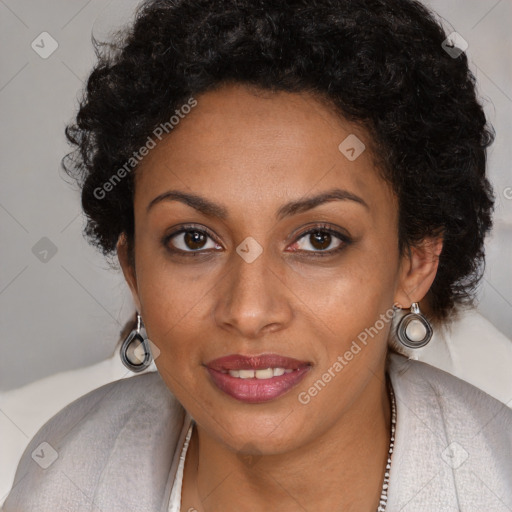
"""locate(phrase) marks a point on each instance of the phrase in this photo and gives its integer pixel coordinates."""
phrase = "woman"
(277, 180)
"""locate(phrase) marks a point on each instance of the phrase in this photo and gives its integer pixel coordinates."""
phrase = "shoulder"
(113, 446)
(453, 442)
(425, 382)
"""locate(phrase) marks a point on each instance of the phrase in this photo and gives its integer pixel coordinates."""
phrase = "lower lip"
(257, 390)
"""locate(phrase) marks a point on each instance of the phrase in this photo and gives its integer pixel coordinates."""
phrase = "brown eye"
(194, 239)
(190, 240)
(321, 241)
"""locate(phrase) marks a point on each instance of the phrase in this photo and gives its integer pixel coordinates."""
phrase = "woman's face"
(246, 278)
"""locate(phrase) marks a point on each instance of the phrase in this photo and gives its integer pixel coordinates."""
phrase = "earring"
(414, 330)
(135, 352)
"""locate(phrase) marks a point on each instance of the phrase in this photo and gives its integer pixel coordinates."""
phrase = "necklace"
(384, 492)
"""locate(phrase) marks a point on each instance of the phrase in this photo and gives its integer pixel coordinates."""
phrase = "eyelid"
(196, 227)
(323, 227)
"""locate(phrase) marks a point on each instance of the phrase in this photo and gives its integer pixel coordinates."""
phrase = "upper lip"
(260, 362)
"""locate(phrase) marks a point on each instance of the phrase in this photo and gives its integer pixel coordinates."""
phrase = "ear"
(128, 268)
(418, 268)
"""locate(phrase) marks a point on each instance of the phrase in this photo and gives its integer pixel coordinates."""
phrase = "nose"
(252, 298)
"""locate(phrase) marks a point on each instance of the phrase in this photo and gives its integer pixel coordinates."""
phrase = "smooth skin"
(251, 152)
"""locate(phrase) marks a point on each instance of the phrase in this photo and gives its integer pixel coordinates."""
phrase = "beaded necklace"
(384, 492)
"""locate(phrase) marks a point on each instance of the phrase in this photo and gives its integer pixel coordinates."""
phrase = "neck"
(343, 469)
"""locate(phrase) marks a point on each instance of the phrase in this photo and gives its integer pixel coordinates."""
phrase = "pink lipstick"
(255, 379)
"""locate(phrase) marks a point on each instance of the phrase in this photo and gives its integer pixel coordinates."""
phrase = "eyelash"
(323, 228)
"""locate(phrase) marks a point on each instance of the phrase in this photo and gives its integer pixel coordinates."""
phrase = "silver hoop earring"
(135, 352)
(414, 330)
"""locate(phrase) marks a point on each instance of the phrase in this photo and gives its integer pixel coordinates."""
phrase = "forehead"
(250, 147)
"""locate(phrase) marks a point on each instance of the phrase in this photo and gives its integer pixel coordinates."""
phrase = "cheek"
(360, 286)
(173, 311)
(169, 290)
(349, 315)
(349, 308)
(173, 306)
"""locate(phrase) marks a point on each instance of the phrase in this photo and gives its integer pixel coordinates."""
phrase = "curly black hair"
(379, 63)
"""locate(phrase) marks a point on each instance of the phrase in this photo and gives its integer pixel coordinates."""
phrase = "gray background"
(65, 310)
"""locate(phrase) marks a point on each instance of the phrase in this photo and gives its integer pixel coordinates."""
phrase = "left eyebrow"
(308, 203)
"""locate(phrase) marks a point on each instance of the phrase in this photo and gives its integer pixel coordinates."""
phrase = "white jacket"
(117, 448)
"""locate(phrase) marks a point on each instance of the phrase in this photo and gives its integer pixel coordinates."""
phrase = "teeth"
(267, 373)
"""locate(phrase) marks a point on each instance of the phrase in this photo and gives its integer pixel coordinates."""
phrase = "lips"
(254, 388)
(261, 362)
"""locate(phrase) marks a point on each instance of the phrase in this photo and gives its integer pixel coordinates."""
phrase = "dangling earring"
(414, 330)
(135, 352)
